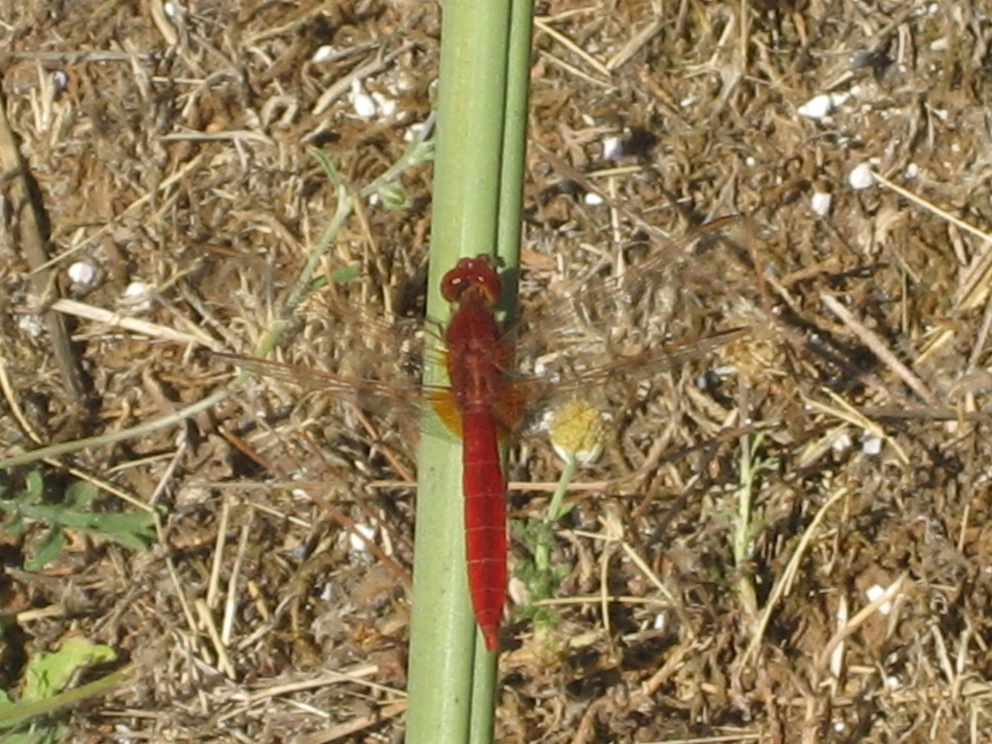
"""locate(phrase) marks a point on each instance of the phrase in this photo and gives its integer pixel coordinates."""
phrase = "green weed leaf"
(77, 510)
(45, 678)
(45, 549)
(49, 673)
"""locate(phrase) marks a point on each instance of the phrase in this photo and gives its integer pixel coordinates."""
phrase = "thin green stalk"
(514, 140)
(477, 194)
(22, 712)
(575, 428)
(745, 529)
(542, 550)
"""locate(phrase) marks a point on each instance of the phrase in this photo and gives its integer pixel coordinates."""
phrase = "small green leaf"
(393, 196)
(75, 511)
(81, 495)
(345, 274)
(134, 530)
(45, 549)
(423, 152)
(48, 674)
(14, 525)
(329, 168)
(34, 486)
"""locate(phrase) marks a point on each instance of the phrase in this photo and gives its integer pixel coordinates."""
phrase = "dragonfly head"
(480, 273)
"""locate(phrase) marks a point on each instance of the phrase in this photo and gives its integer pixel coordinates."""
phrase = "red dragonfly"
(483, 408)
(484, 403)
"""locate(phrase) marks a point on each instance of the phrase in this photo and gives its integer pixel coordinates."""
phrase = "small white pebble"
(136, 296)
(750, 161)
(593, 200)
(30, 325)
(135, 289)
(355, 543)
(170, 10)
(59, 81)
(414, 131)
(861, 177)
(871, 445)
(323, 53)
(612, 148)
(82, 273)
(912, 170)
(874, 592)
(361, 101)
(820, 106)
(820, 202)
(842, 442)
(816, 107)
(385, 105)
(893, 682)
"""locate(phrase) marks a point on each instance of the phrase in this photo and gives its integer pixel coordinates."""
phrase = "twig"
(28, 220)
(116, 320)
(880, 350)
(542, 25)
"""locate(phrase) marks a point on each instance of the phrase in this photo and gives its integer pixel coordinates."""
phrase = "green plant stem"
(514, 148)
(542, 550)
(743, 528)
(22, 712)
(477, 194)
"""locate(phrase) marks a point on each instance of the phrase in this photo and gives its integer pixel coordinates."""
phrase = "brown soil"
(172, 153)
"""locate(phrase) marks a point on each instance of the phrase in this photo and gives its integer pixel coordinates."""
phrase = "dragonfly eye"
(472, 272)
